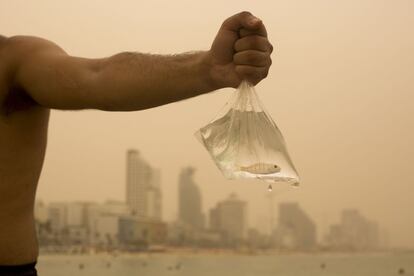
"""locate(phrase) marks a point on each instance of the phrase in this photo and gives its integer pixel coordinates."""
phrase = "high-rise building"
(153, 196)
(137, 177)
(354, 232)
(189, 200)
(295, 230)
(143, 192)
(229, 218)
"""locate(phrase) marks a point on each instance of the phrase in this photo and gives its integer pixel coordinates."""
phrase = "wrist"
(209, 72)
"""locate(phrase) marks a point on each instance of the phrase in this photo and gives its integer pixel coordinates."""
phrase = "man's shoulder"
(12, 49)
(20, 57)
(18, 48)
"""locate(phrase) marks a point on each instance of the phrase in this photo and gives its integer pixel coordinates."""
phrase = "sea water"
(380, 264)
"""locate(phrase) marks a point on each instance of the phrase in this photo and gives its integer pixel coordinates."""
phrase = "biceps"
(56, 80)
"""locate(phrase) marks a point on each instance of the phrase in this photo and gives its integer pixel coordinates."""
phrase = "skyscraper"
(354, 232)
(229, 218)
(189, 209)
(153, 196)
(143, 192)
(295, 228)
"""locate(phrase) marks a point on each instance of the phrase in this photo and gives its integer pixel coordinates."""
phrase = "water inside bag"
(244, 141)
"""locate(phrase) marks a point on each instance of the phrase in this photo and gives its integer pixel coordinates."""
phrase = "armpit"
(17, 100)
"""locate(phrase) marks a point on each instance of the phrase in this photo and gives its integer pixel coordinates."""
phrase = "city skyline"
(228, 217)
(111, 225)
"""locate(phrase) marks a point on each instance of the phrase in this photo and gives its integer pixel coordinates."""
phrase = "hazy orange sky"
(340, 89)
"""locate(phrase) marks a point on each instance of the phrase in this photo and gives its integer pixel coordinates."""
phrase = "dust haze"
(340, 89)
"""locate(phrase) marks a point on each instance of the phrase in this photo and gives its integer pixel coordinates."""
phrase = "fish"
(261, 168)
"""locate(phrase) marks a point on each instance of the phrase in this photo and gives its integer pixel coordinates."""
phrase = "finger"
(252, 74)
(242, 20)
(253, 42)
(252, 58)
(259, 30)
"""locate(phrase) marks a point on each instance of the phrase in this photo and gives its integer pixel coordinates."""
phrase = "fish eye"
(275, 166)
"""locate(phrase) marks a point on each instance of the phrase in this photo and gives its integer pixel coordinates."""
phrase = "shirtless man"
(36, 75)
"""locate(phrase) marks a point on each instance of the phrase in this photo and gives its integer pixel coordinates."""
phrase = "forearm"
(134, 81)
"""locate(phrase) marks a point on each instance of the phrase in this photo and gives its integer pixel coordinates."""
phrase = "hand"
(240, 51)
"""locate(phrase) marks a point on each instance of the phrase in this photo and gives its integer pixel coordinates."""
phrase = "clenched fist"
(240, 51)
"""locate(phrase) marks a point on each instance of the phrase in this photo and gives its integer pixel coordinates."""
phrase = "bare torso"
(23, 136)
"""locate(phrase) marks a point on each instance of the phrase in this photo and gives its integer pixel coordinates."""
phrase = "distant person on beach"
(37, 75)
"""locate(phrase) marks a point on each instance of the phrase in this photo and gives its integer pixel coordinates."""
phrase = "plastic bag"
(244, 141)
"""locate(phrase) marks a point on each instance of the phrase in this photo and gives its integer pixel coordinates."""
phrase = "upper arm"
(50, 76)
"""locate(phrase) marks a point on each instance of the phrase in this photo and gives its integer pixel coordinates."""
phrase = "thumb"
(241, 20)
